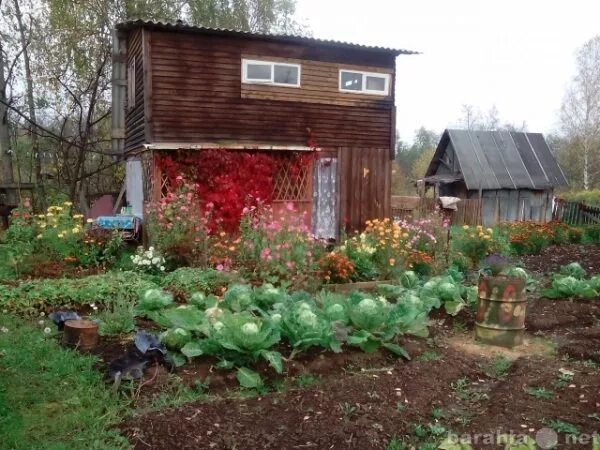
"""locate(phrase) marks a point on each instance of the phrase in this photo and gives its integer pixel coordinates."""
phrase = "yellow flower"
(60, 235)
(42, 225)
(75, 230)
(39, 236)
(465, 227)
(368, 223)
(77, 216)
(404, 235)
(67, 204)
(479, 227)
(392, 261)
(386, 219)
(489, 230)
(41, 216)
(90, 221)
(232, 248)
(382, 242)
(49, 214)
(487, 236)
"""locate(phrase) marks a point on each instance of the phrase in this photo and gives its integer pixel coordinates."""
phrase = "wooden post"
(497, 210)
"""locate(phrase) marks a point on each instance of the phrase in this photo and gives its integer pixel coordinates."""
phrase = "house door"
(325, 194)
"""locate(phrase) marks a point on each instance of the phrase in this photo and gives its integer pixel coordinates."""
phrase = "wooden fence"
(468, 211)
(575, 213)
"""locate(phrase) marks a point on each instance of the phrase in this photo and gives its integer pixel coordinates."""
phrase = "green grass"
(539, 393)
(428, 356)
(563, 427)
(52, 398)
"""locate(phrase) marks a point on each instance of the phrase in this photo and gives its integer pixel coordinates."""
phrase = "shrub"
(591, 234)
(475, 243)
(102, 289)
(278, 249)
(336, 268)
(178, 227)
(527, 237)
(185, 281)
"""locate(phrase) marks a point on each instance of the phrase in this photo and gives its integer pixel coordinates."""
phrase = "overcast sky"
(516, 55)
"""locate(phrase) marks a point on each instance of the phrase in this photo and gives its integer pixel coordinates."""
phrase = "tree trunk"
(586, 165)
(35, 147)
(6, 167)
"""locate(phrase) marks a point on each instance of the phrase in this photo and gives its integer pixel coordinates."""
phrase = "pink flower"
(289, 206)
(220, 267)
(290, 265)
(179, 178)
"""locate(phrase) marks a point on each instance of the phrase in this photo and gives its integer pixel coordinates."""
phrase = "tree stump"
(80, 334)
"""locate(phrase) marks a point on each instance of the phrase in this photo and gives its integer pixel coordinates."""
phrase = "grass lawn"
(51, 398)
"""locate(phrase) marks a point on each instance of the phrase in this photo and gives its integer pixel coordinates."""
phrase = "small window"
(266, 72)
(131, 85)
(364, 82)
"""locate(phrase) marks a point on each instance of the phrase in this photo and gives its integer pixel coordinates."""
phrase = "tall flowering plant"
(178, 226)
(278, 248)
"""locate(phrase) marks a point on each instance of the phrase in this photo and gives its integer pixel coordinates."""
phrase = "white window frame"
(272, 64)
(364, 90)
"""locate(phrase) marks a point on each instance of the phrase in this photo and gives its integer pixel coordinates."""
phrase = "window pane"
(258, 72)
(286, 74)
(375, 83)
(351, 81)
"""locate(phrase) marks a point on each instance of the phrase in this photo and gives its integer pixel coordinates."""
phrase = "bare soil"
(360, 401)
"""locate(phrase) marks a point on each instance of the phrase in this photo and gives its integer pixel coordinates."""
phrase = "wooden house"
(181, 88)
(513, 173)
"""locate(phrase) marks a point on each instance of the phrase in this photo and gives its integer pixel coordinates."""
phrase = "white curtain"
(325, 198)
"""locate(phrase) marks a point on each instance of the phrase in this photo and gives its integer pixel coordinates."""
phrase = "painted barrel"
(81, 334)
(501, 306)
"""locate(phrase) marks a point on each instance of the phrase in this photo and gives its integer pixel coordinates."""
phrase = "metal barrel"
(80, 334)
(501, 306)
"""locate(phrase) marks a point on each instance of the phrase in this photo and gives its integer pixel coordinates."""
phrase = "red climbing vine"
(228, 181)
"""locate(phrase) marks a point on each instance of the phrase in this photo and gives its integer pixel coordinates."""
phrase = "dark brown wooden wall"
(197, 96)
(365, 175)
(134, 117)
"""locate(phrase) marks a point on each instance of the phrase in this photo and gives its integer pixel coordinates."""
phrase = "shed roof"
(501, 159)
(274, 37)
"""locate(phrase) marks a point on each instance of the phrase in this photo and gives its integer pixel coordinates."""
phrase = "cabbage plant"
(574, 270)
(154, 300)
(238, 297)
(243, 338)
(570, 287)
(374, 323)
(303, 326)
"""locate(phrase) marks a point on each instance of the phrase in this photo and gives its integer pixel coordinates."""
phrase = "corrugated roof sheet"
(501, 159)
(182, 26)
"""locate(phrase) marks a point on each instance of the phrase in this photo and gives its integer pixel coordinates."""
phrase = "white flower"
(41, 322)
(156, 261)
(4, 329)
(47, 330)
(42, 314)
(151, 249)
(162, 268)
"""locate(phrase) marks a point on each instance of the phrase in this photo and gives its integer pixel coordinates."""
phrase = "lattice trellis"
(289, 186)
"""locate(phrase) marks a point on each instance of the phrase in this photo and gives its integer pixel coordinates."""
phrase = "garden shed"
(514, 174)
(290, 119)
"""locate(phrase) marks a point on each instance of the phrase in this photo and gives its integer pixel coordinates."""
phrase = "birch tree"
(580, 113)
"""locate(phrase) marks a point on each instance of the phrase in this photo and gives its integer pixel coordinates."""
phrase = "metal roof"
(289, 38)
(501, 159)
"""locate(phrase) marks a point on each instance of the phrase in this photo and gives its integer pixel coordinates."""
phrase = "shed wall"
(197, 95)
(506, 205)
(134, 115)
